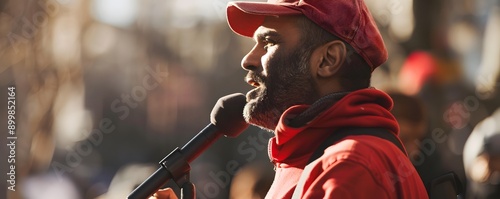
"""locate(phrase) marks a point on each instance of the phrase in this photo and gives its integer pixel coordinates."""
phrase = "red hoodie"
(357, 167)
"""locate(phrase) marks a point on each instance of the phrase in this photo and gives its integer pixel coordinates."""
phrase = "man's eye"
(268, 43)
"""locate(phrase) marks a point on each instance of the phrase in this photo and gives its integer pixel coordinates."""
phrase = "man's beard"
(289, 82)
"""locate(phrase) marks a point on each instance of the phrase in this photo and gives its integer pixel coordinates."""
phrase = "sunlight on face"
(278, 67)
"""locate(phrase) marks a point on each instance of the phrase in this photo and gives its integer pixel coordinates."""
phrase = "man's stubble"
(289, 82)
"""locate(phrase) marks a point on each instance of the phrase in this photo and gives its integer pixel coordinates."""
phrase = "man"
(311, 68)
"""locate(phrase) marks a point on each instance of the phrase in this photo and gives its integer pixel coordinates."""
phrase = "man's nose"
(251, 61)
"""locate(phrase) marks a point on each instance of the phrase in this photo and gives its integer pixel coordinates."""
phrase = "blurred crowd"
(107, 88)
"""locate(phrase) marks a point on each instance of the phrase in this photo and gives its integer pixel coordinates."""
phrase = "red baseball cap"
(349, 20)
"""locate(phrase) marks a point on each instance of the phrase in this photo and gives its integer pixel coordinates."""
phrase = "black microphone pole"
(176, 164)
(226, 119)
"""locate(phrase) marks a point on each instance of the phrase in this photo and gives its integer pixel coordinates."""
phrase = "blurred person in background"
(482, 159)
(420, 143)
(412, 119)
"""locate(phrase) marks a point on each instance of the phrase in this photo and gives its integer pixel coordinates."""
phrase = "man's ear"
(332, 56)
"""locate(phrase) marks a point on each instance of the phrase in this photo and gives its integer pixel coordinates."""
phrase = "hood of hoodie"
(292, 146)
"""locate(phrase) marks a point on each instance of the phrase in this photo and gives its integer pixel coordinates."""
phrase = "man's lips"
(253, 80)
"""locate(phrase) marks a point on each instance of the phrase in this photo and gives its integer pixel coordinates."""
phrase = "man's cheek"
(267, 64)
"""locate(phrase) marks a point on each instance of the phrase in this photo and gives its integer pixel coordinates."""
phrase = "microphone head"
(227, 114)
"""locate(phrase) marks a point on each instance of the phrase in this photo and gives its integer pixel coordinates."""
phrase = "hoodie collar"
(362, 108)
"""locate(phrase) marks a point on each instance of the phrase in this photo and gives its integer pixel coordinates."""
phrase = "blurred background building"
(106, 88)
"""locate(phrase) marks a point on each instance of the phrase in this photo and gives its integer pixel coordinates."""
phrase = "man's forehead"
(277, 26)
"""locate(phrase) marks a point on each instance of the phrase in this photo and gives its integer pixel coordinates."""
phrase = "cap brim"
(245, 17)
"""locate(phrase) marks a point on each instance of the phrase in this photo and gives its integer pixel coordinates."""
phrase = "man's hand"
(167, 193)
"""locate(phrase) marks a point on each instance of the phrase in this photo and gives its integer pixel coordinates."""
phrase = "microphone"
(226, 119)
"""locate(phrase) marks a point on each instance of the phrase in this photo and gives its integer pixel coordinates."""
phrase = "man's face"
(278, 66)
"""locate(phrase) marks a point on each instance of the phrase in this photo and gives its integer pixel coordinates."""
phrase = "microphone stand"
(176, 166)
